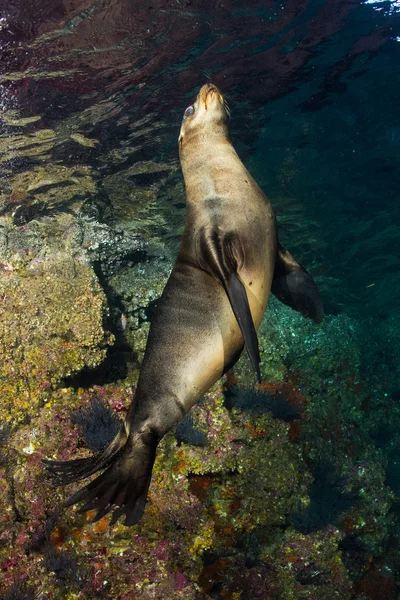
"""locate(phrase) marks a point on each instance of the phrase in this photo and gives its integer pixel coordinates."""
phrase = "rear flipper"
(122, 488)
(293, 286)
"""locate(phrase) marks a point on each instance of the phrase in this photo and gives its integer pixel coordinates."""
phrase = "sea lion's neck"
(201, 151)
(204, 160)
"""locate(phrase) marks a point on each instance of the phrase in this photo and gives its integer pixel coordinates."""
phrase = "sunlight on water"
(388, 7)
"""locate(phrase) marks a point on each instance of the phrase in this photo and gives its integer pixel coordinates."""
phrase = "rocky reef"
(286, 490)
(51, 327)
(270, 492)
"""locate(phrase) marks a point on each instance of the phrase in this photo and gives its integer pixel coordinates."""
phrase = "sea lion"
(229, 260)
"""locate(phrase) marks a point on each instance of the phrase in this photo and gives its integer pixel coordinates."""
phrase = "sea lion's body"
(211, 306)
(195, 326)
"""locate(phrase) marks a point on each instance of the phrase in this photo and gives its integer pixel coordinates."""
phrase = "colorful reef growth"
(51, 327)
(286, 490)
(206, 500)
(271, 492)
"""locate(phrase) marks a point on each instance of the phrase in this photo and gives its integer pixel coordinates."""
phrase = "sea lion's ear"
(293, 286)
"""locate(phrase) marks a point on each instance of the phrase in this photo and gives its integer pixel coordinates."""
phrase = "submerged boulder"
(51, 326)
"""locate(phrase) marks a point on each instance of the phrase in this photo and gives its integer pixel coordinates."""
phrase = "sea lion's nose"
(209, 90)
(210, 87)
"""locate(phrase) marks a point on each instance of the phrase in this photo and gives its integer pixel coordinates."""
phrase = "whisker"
(227, 109)
(207, 75)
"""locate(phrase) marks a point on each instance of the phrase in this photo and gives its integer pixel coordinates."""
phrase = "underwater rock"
(248, 479)
(108, 247)
(250, 474)
(311, 567)
(288, 342)
(51, 326)
(136, 288)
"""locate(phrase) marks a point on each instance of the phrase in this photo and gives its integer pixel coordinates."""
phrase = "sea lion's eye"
(189, 111)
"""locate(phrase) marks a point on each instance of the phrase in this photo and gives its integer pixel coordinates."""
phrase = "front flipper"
(222, 255)
(293, 286)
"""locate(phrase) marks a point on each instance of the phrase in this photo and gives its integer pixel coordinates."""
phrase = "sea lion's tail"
(122, 487)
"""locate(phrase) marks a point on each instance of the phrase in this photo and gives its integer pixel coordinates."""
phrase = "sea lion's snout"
(208, 93)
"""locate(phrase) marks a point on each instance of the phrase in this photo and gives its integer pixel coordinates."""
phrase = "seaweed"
(98, 425)
(259, 402)
(186, 432)
(328, 501)
(20, 591)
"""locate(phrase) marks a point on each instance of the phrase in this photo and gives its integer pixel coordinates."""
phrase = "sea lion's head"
(207, 116)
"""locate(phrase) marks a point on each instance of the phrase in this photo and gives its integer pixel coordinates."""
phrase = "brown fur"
(195, 337)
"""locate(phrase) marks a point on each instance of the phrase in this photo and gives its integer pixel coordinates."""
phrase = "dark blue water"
(91, 99)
